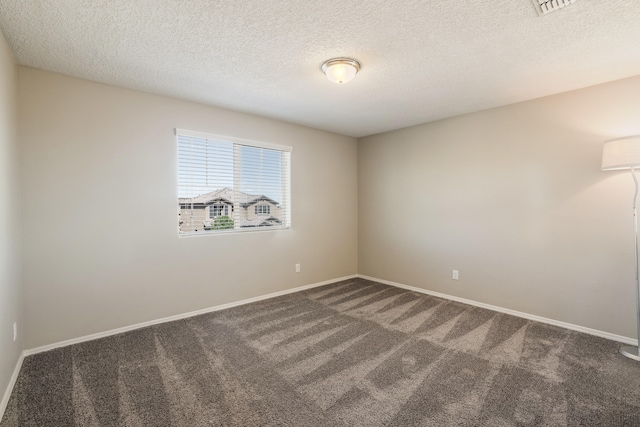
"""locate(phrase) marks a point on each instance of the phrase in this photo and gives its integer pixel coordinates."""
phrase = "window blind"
(228, 184)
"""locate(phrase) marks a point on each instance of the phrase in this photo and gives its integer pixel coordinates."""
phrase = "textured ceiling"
(422, 60)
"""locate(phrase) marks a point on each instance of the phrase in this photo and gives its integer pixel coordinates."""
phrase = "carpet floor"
(353, 353)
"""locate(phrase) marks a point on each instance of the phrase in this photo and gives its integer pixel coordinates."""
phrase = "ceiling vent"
(546, 6)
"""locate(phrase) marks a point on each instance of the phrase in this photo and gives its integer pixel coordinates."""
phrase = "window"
(216, 210)
(220, 178)
(263, 209)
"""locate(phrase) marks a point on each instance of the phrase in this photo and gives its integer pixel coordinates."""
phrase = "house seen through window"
(226, 184)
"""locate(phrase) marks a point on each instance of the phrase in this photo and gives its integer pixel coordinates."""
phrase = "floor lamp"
(617, 154)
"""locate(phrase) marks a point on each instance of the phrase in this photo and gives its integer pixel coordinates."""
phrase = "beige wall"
(514, 199)
(10, 287)
(94, 154)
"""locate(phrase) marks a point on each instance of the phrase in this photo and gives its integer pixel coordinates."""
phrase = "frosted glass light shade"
(341, 70)
(621, 153)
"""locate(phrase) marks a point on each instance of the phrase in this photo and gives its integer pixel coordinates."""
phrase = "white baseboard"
(14, 377)
(602, 334)
(12, 382)
(179, 316)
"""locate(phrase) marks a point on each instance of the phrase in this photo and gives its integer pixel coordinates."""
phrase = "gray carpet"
(353, 353)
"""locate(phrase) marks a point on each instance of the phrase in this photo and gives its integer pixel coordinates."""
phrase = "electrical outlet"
(454, 275)
(297, 268)
(15, 331)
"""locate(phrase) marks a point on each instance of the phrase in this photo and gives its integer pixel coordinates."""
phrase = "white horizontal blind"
(226, 184)
(545, 6)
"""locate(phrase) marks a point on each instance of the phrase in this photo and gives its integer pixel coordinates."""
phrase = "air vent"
(546, 6)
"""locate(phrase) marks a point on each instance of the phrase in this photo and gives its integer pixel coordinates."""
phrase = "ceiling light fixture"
(341, 70)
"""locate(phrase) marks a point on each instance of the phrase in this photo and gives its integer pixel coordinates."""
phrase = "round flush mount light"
(340, 70)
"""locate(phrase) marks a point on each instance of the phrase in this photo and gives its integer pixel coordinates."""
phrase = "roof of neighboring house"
(259, 221)
(256, 222)
(226, 195)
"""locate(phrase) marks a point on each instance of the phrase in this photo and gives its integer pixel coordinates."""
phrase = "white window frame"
(285, 204)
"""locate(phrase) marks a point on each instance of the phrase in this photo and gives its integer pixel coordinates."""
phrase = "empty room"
(342, 213)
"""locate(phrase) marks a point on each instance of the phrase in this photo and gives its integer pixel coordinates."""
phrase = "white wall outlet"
(15, 331)
(454, 275)
(297, 268)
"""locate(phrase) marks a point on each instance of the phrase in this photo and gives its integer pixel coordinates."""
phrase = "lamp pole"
(633, 351)
(621, 154)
